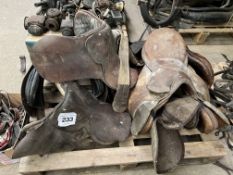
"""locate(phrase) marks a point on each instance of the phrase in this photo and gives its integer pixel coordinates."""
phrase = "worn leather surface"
(165, 72)
(208, 121)
(165, 75)
(167, 148)
(164, 43)
(178, 112)
(173, 94)
(91, 54)
(142, 100)
(170, 149)
(202, 67)
(199, 84)
(211, 118)
(96, 124)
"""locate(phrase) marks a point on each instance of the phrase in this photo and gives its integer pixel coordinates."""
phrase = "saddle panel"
(178, 112)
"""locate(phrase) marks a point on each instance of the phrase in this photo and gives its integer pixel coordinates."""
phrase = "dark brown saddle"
(91, 54)
(80, 121)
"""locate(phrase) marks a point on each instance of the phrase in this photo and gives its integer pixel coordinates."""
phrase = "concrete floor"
(208, 169)
(12, 37)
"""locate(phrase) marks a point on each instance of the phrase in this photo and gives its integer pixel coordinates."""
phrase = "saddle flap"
(170, 149)
(61, 58)
(163, 78)
(178, 112)
(80, 121)
(164, 71)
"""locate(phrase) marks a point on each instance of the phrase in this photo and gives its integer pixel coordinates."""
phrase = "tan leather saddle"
(171, 93)
(167, 75)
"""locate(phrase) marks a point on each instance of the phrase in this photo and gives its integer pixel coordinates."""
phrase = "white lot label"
(67, 119)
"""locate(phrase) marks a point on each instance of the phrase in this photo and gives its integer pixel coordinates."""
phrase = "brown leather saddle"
(174, 94)
(167, 75)
(80, 121)
(91, 54)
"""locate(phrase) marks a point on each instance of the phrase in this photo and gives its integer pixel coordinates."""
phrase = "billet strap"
(120, 102)
(154, 143)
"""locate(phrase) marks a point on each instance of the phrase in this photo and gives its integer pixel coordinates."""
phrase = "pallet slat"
(208, 30)
(127, 143)
(207, 149)
(111, 156)
(202, 33)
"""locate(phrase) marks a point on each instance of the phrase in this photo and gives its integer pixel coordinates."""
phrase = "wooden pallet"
(202, 33)
(128, 154)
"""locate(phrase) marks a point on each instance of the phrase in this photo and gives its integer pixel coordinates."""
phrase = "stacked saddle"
(170, 93)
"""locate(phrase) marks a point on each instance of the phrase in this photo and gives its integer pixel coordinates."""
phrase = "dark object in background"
(88, 3)
(207, 17)
(223, 88)
(23, 67)
(145, 11)
(110, 11)
(160, 13)
(67, 26)
(53, 20)
(32, 93)
(35, 24)
(47, 4)
(58, 14)
(222, 96)
(11, 119)
(50, 16)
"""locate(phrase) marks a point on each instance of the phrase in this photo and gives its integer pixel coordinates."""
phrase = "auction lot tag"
(67, 119)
